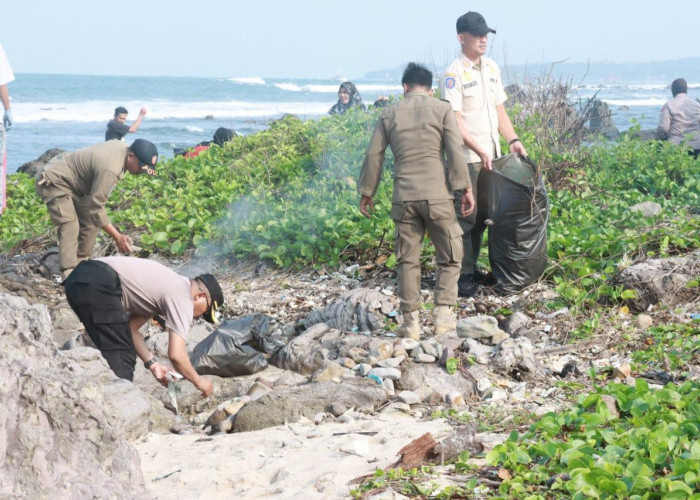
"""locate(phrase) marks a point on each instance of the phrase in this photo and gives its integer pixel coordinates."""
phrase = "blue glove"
(7, 119)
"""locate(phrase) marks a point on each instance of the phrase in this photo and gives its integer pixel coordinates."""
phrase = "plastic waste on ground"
(517, 211)
(236, 347)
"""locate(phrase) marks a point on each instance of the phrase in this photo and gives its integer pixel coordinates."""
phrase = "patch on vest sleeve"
(449, 82)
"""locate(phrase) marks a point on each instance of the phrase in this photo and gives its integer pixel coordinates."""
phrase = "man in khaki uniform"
(421, 130)
(472, 85)
(76, 186)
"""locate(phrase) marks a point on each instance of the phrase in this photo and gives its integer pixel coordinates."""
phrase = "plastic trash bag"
(517, 218)
(236, 347)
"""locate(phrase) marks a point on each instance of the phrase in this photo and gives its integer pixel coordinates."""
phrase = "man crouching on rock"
(421, 131)
(115, 296)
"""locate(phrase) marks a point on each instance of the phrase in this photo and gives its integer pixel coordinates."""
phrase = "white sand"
(300, 460)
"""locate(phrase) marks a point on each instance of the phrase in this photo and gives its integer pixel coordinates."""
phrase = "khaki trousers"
(473, 225)
(76, 238)
(411, 219)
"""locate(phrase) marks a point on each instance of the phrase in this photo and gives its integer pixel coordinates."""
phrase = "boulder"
(601, 121)
(515, 357)
(424, 379)
(276, 408)
(31, 168)
(66, 419)
(647, 208)
(660, 280)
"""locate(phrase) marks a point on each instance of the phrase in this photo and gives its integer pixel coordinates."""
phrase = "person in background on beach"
(117, 127)
(421, 131)
(221, 137)
(115, 296)
(6, 76)
(472, 85)
(381, 102)
(76, 186)
(680, 119)
(348, 98)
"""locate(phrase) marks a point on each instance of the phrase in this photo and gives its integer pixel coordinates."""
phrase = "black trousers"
(94, 293)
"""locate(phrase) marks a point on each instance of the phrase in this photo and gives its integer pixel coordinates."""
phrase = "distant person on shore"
(472, 85)
(221, 137)
(115, 296)
(117, 127)
(381, 102)
(348, 98)
(680, 119)
(76, 186)
(6, 76)
(422, 132)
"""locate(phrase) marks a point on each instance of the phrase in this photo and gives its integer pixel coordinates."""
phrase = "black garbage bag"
(236, 347)
(517, 218)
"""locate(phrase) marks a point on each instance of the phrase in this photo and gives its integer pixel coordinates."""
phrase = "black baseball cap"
(217, 296)
(473, 23)
(147, 153)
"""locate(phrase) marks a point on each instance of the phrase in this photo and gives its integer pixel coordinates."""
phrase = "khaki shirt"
(421, 130)
(680, 121)
(150, 288)
(90, 174)
(475, 91)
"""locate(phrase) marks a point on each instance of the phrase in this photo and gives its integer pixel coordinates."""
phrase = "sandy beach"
(300, 460)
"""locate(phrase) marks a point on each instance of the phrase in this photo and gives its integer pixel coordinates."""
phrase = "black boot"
(466, 286)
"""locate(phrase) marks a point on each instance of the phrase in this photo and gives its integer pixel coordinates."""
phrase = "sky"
(326, 39)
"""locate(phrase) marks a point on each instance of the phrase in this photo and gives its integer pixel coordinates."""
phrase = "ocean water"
(71, 111)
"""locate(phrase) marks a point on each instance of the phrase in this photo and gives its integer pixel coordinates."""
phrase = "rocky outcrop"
(65, 420)
(276, 408)
(601, 121)
(32, 167)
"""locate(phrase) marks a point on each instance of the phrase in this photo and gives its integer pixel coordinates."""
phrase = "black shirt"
(116, 130)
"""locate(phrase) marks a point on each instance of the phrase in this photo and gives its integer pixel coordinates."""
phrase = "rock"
(389, 386)
(319, 417)
(454, 399)
(647, 208)
(217, 416)
(622, 371)
(390, 373)
(408, 397)
(516, 321)
(388, 494)
(225, 426)
(425, 358)
(383, 351)
(258, 390)
(337, 409)
(409, 344)
(306, 401)
(235, 406)
(447, 353)
(482, 328)
(480, 352)
(361, 309)
(66, 424)
(601, 121)
(363, 369)
(424, 379)
(391, 362)
(494, 394)
(659, 280)
(330, 371)
(644, 321)
(33, 167)
(65, 324)
(347, 363)
(515, 355)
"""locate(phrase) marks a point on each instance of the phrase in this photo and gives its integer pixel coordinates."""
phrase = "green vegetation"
(288, 194)
(650, 451)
